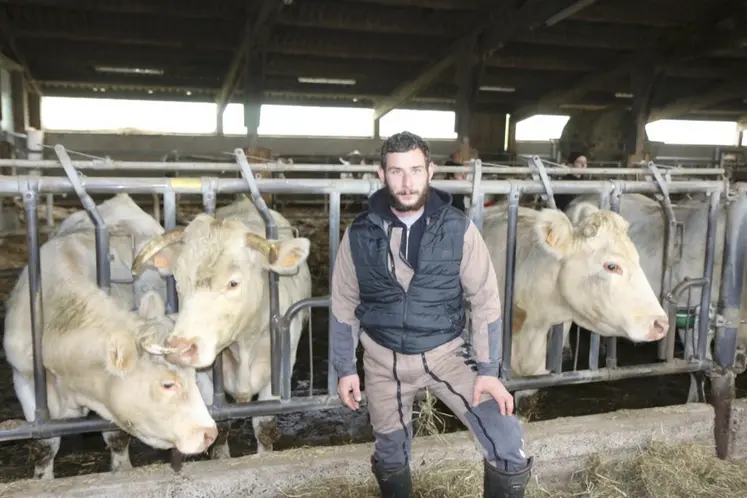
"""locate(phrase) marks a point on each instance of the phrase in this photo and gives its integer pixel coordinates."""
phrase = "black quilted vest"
(432, 311)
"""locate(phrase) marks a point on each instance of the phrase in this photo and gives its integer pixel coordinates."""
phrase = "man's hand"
(494, 387)
(346, 385)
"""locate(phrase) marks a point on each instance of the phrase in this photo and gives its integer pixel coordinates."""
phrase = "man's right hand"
(349, 390)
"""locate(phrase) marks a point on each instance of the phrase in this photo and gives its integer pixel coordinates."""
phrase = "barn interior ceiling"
(517, 56)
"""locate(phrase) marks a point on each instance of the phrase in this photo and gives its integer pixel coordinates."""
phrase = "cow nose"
(659, 328)
(209, 435)
(186, 351)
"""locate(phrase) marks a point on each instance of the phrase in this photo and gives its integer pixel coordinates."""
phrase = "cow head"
(600, 276)
(220, 269)
(154, 400)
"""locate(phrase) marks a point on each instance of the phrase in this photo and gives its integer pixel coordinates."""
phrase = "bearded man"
(404, 270)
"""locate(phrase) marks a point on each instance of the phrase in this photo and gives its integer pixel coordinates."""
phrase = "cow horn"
(154, 246)
(262, 245)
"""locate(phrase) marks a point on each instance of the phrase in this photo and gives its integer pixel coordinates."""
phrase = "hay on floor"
(661, 470)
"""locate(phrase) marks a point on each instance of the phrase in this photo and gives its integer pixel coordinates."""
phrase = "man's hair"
(405, 142)
(573, 156)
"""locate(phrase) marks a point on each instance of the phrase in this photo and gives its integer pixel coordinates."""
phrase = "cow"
(647, 228)
(97, 352)
(589, 274)
(220, 264)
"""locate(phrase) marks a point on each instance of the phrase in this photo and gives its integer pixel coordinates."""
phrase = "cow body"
(221, 268)
(590, 275)
(647, 231)
(94, 345)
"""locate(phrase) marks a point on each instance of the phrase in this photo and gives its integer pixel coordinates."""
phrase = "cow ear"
(151, 306)
(555, 232)
(121, 356)
(291, 254)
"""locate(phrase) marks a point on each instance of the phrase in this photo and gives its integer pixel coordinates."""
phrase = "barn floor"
(87, 453)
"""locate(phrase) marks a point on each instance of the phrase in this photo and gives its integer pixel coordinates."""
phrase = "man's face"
(407, 177)
(580, 162)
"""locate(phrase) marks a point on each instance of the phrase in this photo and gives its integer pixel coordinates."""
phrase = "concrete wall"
(560, 447)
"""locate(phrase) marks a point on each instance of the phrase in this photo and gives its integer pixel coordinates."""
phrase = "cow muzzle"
(201, 440)
(658, 328)
(182, 352)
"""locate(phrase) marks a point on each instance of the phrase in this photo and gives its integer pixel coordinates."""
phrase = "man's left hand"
(494, 387)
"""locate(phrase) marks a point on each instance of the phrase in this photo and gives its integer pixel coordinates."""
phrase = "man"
(402, 274)
(575, 160)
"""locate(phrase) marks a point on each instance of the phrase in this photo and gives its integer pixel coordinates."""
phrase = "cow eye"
(167, 385)
(233, 284)
(612, 268)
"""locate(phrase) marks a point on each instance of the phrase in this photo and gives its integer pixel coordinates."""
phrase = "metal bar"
(334, 244)
(730, 293)
(541, 173)
(672, 297)
(13, 185)
(671, 227)
(508, 291)
(30, 199)
(554, 357)
(271, 232)
(710, 253)
(594, 340)
(169, 223)
(65, 427)
(615, 200)
(209, 201)
(110, 165)
(103, 264)
(730, 297)
(478, 198)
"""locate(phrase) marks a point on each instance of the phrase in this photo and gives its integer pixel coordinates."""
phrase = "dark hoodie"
(379, 204)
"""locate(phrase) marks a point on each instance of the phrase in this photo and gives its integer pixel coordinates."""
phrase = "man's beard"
(402, 208)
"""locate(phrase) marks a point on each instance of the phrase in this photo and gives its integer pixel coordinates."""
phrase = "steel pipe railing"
(105, 165)
(30, 187)
(10, 185)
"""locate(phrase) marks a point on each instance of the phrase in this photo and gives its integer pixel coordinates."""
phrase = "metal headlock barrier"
(722, 369)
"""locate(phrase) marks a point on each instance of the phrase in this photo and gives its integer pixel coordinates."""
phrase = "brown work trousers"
(391, 382)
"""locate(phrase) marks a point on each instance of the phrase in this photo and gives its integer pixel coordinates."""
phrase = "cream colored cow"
(95, 349)
(590, 274)
(221, 268)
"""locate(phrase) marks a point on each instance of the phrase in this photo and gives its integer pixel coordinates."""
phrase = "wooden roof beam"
(502, 27)
(686, 45)
(717, 94)
(257, 28)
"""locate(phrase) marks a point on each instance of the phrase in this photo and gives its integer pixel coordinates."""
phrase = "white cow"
(647, 228)
(221, 268)
(591, 275)
(97, 352)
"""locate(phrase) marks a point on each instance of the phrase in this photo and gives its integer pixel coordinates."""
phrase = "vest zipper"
(407, 244)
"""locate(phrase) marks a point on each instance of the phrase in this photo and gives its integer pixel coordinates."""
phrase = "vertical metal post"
(103, 263)
(208, 204)
(705, 293)
(334, 244)
(169, 223)
(604, 201)
(723, 374)
(157, 208)
(615, 199)
(478, 198)
(30, 199)
(271, 233)
(508, 292)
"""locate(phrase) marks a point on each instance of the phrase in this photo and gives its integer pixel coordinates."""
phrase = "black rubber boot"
(501, 484)
(393, 484)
